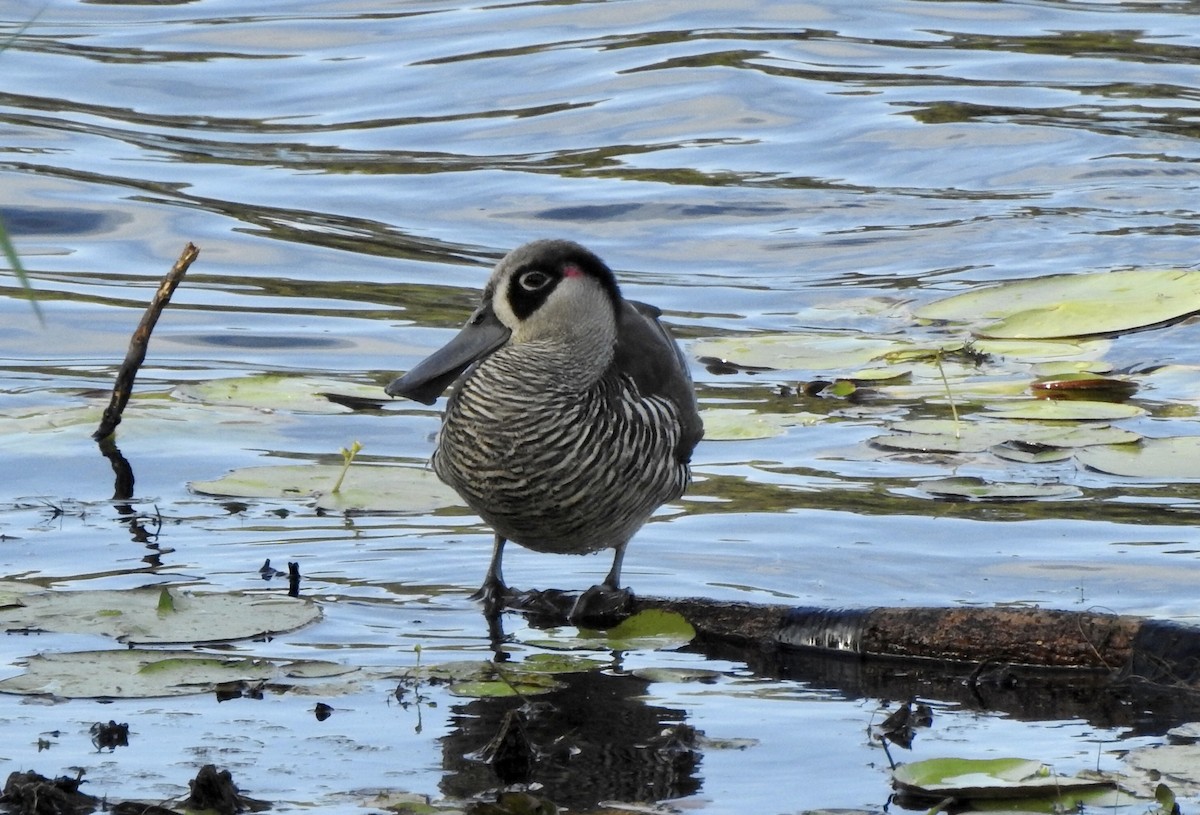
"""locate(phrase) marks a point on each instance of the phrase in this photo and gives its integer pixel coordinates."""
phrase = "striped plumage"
(575, 418)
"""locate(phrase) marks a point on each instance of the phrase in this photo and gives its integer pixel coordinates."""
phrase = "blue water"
(351, 170)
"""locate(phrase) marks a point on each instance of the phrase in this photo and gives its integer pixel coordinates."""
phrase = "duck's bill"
(482, 335)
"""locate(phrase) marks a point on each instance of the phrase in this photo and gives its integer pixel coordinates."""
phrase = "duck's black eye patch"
(529, 288)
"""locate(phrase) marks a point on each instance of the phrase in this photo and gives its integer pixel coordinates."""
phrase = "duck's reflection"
(594, 739)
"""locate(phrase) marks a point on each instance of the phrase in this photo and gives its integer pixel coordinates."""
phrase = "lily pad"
(735, 424)
(1178, 763)
(806, 351)
(652, 628)
(143, 673)
(298, 394)
(1176, 458)
(1073, 305)
(1074, 410)
(366, 487)
(946, 436)
(157, 615)
(977, 489)
(987, 778)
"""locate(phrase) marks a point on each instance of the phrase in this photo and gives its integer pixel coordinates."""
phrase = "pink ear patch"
(571, 270)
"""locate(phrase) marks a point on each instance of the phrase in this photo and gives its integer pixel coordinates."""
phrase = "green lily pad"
(1031, 454)
(141, 616)
(1073, 305)
(875, 376)
(1074, 410)
(977, 489)
(1171, 459)
(652, 628)
(987, 778)
(945, 436)
(735, 424)
(366, 487)
(806, 351)
(298, 394)
(142, 673)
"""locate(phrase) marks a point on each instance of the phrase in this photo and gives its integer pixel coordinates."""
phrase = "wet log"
(139, 342)
(1019, 637)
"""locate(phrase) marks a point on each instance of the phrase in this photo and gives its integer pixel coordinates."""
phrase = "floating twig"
(136, 355)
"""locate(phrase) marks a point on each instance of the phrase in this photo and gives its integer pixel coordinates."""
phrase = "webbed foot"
(602, 606)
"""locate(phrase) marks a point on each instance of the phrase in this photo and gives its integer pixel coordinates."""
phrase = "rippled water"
(350, 170)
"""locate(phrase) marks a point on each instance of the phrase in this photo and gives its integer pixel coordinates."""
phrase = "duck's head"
(548, 291)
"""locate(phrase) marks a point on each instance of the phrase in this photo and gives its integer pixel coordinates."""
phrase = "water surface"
(350, 172)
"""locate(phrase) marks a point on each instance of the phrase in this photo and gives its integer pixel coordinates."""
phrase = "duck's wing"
(648, 354)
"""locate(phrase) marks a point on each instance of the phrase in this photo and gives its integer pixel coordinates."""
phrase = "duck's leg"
(613, 581)
(493, 592)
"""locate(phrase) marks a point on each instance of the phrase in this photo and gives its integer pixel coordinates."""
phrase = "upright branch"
(136, 355)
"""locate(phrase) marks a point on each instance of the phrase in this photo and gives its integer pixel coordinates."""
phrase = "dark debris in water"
(110, 736)
(214, 789)
(29, 793)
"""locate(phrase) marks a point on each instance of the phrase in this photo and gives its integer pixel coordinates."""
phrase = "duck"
(572, 416)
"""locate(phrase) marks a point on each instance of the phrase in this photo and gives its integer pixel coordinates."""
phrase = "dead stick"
(136, 355)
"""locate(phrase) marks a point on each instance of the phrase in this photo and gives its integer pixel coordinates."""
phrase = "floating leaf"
(299, 394)
(1178, 763)
(652, 628)
(1074, 410)
(1073, 305)
(139, 673)
(986, 778)
(976, 489)
(1164, 459)
(805, 351)
(140, 616)
(874, 376)
(1030, 453)
(734, 424)
(366, 487)
(947, 436)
